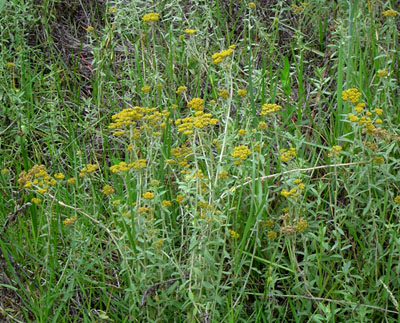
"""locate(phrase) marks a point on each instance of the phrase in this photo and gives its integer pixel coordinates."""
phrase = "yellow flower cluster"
(153, 16)
(124, 167)
(223, 174)
(196, 104)
(70, 221)
(389, 13)
(107, 190)
(127, 118)
(241, 152)
(241, 132)
(335, 151)
(262, 125)
(218, 57)
(181, 89)
(59, 176)
(287, 155)
(301, 225)
(382, 73)
(296, 9)
(148, 195)
(292, 192)
(352, 95)
(36, 200)
(242, 93)
(200, 120)
(269, 108)
(37, 176)
(223, 94)
(234, 235)
(252, 5)
(166, 203)
(71, 180)
(190, 31)
(397, 199)
(146, 89)
(90, 168)
(180, 198)
(272, 235)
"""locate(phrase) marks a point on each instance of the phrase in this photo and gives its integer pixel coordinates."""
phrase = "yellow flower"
(223, 174)
(150, 17)
(287, 155)
(181, 89)
(218, 57)
(89, 29)
(301, 225)
(352, 95)
(335, 151)
(107, 189)
(242, 132)
(241, 152)
(389, 13)
(196, 104)
(234, 234)
(59, 176)
(116, 202)
(252, 5)
(5, 171)
(146, 89)
(270, 108)
(262, 125)
(148, 195)
(70, 221)
(113, 9)
(166, 203)
(379, 160)
(155, 182)
(190, 31)
(397, 199)
(353, 118)
(180, 198)
(272, 235)
(36, 200)
(223, 94)
(382, 73)
(242, 93)
(10, 65)
(378, 111)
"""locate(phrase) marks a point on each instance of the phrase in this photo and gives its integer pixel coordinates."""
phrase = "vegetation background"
(199, 161)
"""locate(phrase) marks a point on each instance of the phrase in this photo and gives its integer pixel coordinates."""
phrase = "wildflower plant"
(166, 174)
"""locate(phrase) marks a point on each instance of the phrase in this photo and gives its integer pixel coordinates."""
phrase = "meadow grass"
(199, 161)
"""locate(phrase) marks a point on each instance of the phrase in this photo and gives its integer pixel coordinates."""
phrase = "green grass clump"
(199, 162)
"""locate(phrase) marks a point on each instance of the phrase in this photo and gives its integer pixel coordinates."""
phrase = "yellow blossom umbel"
(382, 73)
(268, 108)
(223, 94)
(252, 5)
(181, 89)
(352, 95)
(389, 13)
(190, 31)
(107, 190)
(218, 57)
(150, 17)
(196, 104)
(148, 195)
(242, 93)
(287, 155)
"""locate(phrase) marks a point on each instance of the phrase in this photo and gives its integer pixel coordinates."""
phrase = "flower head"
(389, 13)
(150, 17)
